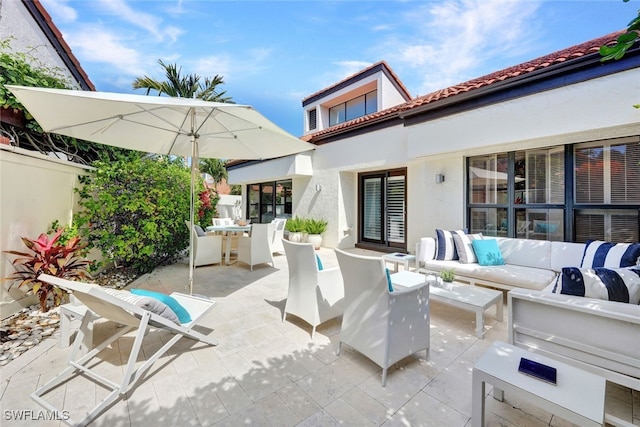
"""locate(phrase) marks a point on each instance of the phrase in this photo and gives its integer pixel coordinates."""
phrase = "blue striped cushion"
(613, 284)
(445, 245)
(610, 255)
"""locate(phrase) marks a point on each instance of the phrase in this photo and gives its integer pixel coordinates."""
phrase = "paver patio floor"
(271, 373)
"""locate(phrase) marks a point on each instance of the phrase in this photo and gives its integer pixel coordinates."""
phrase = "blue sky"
(272, 54)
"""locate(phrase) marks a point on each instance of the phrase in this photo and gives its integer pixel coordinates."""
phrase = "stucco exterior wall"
(35, 190)
(592, 110)
(16, 22)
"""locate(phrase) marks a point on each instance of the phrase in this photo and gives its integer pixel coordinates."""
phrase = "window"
(518, 194)
(312, 119)
(607, 190)
(523, 193)
(354, 108)
(270, 200)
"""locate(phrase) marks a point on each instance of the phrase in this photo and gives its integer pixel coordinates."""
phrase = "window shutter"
(395, 208)
(312, 118)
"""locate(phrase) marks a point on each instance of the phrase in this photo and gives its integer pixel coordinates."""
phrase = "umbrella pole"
(194, 159)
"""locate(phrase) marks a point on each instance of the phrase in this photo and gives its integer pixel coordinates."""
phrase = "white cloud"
(148, 22)
(452, 40)
(61, 10)
(96, 44)
(234, 68)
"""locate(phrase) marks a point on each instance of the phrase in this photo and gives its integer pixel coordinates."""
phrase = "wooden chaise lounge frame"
(131, 316)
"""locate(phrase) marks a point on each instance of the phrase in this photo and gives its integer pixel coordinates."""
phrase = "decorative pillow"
(610, 255)
(613, 284)
(445, 246)
(487, 251)
(199, 231)
(181, 312)
(465, 248)
(153, 305)
(319, 262)
(389, 280)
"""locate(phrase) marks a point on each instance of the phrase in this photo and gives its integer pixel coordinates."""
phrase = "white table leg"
(227, 250)
(477, 400)
(499, 309)
(480, 322)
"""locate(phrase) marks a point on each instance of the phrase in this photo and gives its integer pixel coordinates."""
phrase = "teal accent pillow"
(319, 261)
(181, 312)
(389, 280)
(488, 252)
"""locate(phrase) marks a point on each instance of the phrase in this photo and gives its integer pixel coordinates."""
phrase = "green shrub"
(295, 224)
(134, 210)
(315, 226)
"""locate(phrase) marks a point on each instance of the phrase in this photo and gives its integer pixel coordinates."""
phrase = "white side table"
(399, 258)
(578, 396)
(67, 313)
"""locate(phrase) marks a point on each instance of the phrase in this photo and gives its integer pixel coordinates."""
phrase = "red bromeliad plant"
(47, 256)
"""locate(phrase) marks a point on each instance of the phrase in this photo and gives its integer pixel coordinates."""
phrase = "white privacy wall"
(35, 190)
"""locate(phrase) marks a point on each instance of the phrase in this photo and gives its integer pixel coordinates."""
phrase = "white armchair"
(256, 248)
(384, 326)
(278, 235)
(315, 296)
(207, 248)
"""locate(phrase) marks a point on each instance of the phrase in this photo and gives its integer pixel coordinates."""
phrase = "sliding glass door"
(382, 206)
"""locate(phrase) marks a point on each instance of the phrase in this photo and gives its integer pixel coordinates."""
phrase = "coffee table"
(397, 258)
(578, 395)
(467, 297)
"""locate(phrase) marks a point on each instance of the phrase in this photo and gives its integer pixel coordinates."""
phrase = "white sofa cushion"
(525, 252)
(566, 254)
(511, 275)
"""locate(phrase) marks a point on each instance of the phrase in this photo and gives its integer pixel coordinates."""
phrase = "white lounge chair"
(111, 307)
(314, 295)
(384, 326)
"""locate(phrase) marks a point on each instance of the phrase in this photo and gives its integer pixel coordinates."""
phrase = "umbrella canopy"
(170, 126)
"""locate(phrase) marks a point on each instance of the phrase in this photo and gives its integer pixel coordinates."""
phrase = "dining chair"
(207, 247)
(256, 247)
(278, 235)
(316, 294)
(385, 326)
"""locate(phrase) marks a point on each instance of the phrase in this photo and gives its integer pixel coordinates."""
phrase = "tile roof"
(382, 64)
(561, 56)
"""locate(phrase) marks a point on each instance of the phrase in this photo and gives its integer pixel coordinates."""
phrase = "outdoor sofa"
(578, 303)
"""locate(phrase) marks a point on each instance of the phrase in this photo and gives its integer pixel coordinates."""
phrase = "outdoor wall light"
(318, 187)
(439, 178)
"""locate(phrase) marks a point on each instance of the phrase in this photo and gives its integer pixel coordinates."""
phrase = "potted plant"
(48, 256)
(447, 275)
(295, 226)
(314, 229)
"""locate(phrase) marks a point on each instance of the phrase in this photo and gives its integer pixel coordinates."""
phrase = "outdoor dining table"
(227, 230)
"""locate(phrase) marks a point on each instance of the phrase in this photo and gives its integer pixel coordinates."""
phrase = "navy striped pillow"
(611, 255)
(445, 245)
(613, 284)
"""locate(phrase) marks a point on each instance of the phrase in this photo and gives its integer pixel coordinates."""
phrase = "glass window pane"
(488, 179)
(396, 208)
(355, 108)
(619, 226)
(539, 176)
(254, 202)
(336, 114)
(489, 221)
(372, 228)
(589, 174)
(625, 173)
(371, 102)
(544, 224)
(266, 204)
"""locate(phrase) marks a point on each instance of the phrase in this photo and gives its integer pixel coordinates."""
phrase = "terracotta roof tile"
(577, 51)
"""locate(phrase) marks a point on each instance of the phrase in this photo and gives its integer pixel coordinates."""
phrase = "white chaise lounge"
(132, 317)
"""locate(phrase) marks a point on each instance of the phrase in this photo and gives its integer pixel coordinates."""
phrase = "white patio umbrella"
(163, 125)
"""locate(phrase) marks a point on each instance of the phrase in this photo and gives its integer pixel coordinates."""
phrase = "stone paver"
(268, 372)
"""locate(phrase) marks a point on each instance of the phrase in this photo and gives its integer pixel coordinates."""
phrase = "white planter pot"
(296, 237)
(316, 239)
